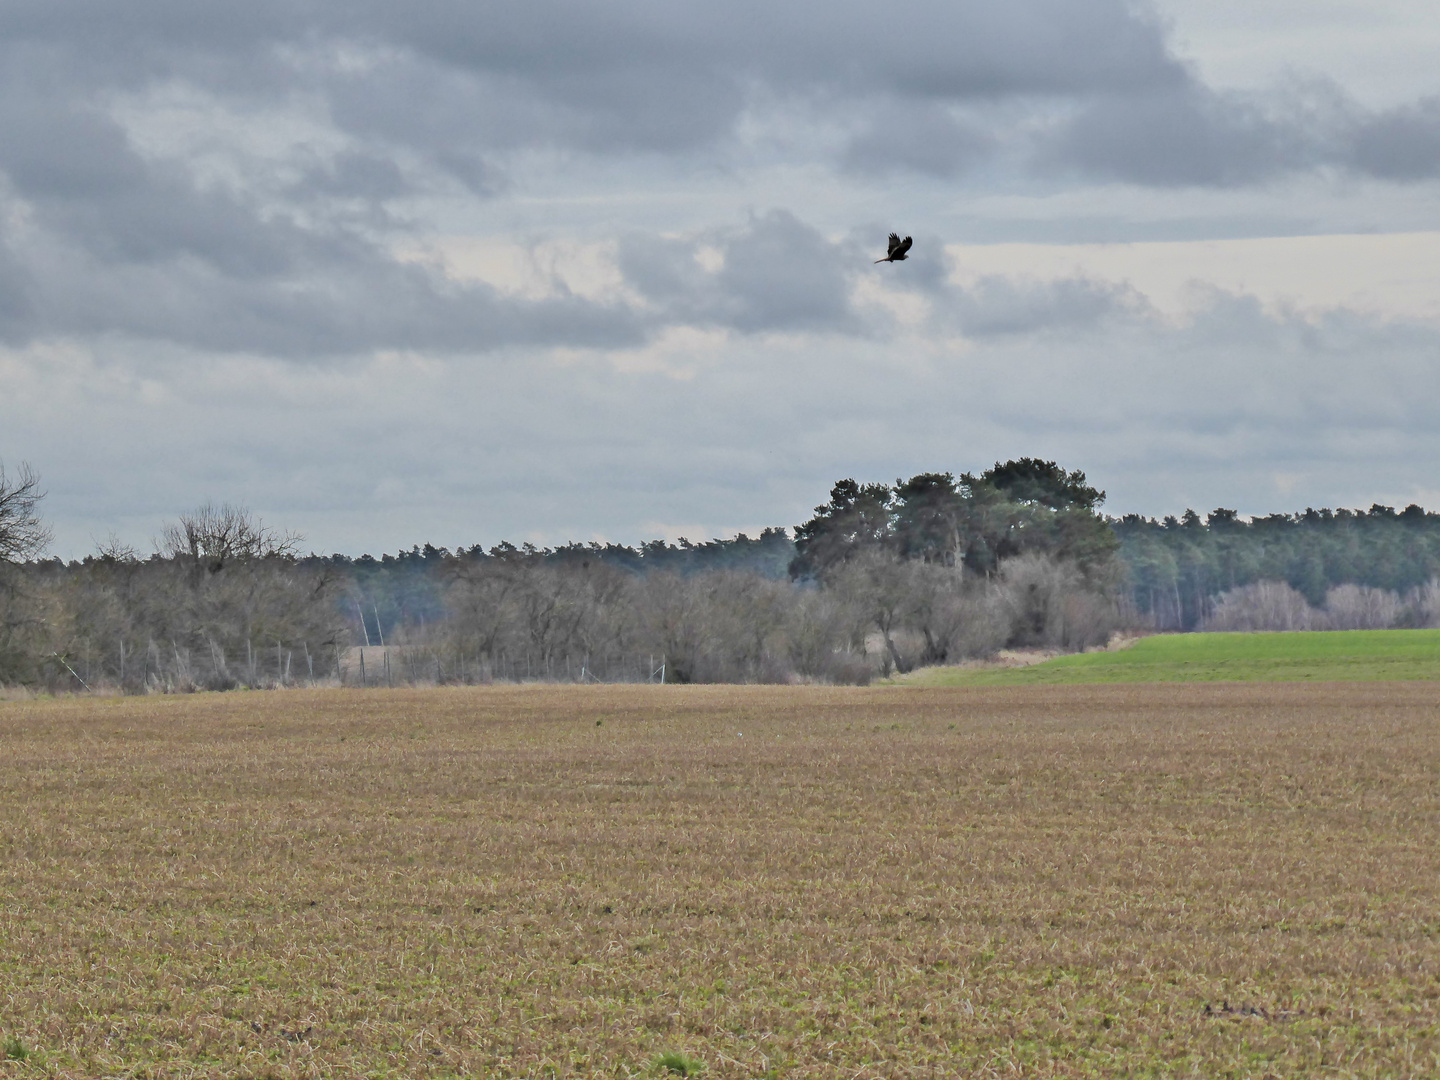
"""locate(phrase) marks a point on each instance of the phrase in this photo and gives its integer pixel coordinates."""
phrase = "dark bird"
(898, 248)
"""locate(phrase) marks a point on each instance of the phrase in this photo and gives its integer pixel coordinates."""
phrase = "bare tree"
(826, 638)
(22, 534)
(114, 550)
(25, 617)
(1055, 603)
(1263, 605)
(877, 584)
(1357, 607)
(214, 536)
(1425, 602)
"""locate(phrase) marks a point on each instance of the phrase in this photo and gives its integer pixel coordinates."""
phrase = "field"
(1311, 656)
(1184, 880)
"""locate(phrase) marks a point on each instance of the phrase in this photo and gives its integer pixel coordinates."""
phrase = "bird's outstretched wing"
(898, 248)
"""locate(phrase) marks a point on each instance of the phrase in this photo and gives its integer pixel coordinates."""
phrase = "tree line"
(881, 578)
(1177, 569)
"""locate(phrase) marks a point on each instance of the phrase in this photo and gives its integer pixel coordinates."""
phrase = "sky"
(547, 271)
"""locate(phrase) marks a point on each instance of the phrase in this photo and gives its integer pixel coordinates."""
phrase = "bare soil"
(1187, 880)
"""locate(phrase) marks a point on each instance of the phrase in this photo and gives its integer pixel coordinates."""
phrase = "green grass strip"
(1318, 656)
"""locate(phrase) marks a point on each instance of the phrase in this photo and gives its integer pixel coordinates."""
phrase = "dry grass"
(865, 883)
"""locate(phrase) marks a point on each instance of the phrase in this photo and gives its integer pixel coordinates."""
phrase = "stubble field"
(1190, 880)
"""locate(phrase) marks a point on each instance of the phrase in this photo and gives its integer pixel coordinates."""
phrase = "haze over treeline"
(882, 577)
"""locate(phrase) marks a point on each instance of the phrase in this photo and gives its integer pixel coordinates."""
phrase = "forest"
(882, 578)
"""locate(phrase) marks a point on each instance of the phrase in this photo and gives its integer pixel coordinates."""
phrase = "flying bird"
(898, 248)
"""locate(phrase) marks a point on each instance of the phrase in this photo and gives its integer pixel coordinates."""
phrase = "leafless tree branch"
(23, 534)
(215, 536)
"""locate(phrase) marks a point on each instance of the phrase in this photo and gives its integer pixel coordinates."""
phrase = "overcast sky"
(530, 270)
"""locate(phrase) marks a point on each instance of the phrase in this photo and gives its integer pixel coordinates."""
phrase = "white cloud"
(1386, 275)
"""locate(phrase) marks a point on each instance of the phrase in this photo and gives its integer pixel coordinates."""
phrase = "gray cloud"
(1191, 135)
(924, 85)
(1185, 136)
(1399, 144)
(1162, 416)
(925, 137)
(100, 239)
(228, 188)
(292, 253)
(463, 83)
(775, 274)
(779, 274)
(324, 310)
(996, 306)
(649, 75)
(368, 176)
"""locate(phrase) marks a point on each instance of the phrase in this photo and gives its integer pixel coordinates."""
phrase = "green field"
(1329, 655)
